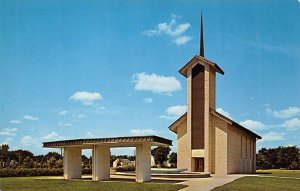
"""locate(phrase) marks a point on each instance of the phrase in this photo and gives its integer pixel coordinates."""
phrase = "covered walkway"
(101, 155)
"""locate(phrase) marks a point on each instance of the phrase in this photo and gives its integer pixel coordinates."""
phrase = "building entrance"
(199, 164)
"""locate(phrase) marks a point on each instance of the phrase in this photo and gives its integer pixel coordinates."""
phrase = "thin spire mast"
(201, 38)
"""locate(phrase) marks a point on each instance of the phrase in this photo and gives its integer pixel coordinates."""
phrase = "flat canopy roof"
(112, 142)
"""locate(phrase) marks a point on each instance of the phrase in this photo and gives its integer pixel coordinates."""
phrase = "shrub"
(124, 169)
(20, 172)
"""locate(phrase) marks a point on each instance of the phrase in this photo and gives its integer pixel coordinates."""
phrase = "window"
(241, 146)
(246, 148)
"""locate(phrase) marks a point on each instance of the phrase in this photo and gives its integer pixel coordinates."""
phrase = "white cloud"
(80, 116)
(7, 140)
(15, 121)
(223, 112)
(62, 124)
(272, 136)
(86, 98)
(52, 136)
(253, 125)
(8, 132)
(171, 29)
(30, 117)
(285, 113)
(182, 40)
(89, 135)
(28, 141)
(142, 132)
(5, 133)
(11, 129)
(155, 83)
(63, 112)
(291, 145)
(174, 112)
(291, 124)
(148, 100)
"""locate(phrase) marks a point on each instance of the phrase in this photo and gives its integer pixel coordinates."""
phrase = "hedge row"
(125, 169)
(20, 172)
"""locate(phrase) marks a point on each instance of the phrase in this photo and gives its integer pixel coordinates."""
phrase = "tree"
(160, 154)
(53, 154)
(173, 159)
(28, 162)
(51, 162)
(59, 163)
(281, 157)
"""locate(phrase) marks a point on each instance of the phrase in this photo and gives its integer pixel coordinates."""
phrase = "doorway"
(199, 164)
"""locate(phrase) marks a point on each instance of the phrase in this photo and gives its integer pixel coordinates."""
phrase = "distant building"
(123, 163)
(152, 161)
(207, 140)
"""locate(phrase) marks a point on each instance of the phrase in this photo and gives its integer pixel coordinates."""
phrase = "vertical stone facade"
(184, 148)
(228, 147)
(101, 162)
(220, 146)
(72, 162)
(242, 153)
(143, 162)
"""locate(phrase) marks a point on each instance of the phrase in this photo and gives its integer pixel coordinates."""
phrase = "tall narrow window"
(241, 146)
(246, 149)
(198, 105)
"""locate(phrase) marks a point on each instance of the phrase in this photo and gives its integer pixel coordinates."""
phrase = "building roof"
(112, 142)
(123, 160)
(173, 126)
(183, 70)
(235, 124)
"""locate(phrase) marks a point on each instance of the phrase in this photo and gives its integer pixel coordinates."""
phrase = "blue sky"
(76, 69)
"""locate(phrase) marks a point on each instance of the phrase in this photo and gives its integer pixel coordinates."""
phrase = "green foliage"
(124, 169)
(28, 162)
(32, 184)
(160, 154)
(173, 159)
(21, 172)
(281, 157)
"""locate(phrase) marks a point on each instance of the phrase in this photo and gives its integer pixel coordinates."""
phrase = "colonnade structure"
(72, 151)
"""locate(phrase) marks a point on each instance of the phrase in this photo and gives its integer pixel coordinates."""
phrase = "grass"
(280, 173)
(283, 180)
(32, 184)
(261, 184)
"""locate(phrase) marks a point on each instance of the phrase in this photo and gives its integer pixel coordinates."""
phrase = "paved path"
(207, 184)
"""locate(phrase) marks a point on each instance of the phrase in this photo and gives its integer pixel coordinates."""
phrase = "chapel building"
(207, 140)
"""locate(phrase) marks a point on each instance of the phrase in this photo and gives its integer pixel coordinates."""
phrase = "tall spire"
(201, 39)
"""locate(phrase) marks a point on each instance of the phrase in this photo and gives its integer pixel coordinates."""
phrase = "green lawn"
(32, 184)
(280, 182)
(280, 173)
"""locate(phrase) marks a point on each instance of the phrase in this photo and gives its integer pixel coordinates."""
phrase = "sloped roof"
(235, 124)
(173, 126)
(183, 70)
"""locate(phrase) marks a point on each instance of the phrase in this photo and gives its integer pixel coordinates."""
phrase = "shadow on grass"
(263, 173)
(123, 179)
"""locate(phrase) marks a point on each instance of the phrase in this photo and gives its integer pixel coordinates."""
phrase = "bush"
(87, 171)
(124, 169)
(20, 172)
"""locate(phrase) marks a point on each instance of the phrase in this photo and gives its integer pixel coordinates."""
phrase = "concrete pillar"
(101, 162)
(72, 162)
(143, 163)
